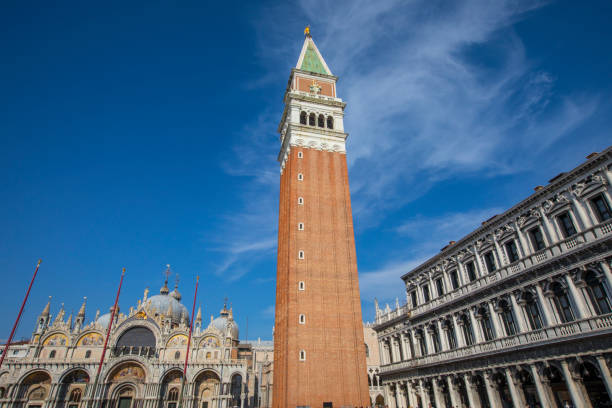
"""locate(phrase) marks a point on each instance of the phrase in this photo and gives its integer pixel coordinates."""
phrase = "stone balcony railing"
(556, 249)
(531, 338)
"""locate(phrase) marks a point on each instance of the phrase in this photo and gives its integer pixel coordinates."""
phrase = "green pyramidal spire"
(312, 62)
(311, 59)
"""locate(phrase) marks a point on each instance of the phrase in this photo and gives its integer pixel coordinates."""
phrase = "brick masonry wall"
(335, 366)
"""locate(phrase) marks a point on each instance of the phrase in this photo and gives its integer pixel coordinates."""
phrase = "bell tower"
(319, 349)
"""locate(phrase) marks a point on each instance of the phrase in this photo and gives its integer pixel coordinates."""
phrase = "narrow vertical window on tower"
(321, 121)
(300, 176)
(301, 285)
(330, 122)
(302, 355)
(300, 155)
(303, 118)
(302, 319)
(301, 226)
(311, 119)
(300, 201)
(300, 254)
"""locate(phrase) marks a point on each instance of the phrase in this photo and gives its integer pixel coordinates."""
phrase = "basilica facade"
(518, 312)
(143, 367)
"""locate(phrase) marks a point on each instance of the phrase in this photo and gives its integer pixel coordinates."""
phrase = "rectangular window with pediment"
(489, 259)
(454, 278)
(566, 224)
(471, 271)
(537, 239)
(601, 207)
(426, 294)
(439, 287)
(512, 251)
(413, 298)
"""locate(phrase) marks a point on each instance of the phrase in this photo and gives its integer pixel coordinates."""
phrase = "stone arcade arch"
(528, 388)
(33, 390)
(481, 391)
(236, 389)
(207, 385)
(72, 388)
(125, 385)
(558, 387)
(170, 387)
(593, 384)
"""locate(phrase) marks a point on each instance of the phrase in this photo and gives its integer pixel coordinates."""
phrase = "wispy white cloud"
(434, 90)
(385, 283)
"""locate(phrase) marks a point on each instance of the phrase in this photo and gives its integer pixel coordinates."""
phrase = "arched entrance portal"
(126, 385)
(206, 390)
(379, 402)
(594, 385)
(72, 388)
(236, 390)
(170, 389)
(34, 390)
(125, 398)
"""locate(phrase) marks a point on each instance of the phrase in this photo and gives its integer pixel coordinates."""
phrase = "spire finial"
(82, 309)
(176, 281)
(164, 290)
(307, 31)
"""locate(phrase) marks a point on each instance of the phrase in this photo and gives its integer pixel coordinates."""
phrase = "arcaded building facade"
(319, 352)
(518, 312)
(143, 366)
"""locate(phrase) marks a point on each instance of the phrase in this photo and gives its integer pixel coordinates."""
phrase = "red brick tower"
(319, 352)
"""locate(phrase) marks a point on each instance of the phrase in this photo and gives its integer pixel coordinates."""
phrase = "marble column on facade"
(549, 230)
(499, 331)
(604, 369)
(542, 389)
(583, 310)
(607, 273)
(388, 354)
(518, 398)
(382, 351)
(582, 216)
(475, 325)
(410, 395)
(437, 393)
(472, 394)
(390, 396)
(520, 317)
(424, 394)
(405, 350)
(442, 336)
(415, 342)
(393, 351)
(549, 315)
(579, 400)
(492, 392)
(458, 332)
(452, 391)
(398, 398)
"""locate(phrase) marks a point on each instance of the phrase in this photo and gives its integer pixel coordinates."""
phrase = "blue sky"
(141, 134)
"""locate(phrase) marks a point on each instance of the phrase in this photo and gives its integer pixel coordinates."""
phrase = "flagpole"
(108, 330)
(10, 339)
(180, 402)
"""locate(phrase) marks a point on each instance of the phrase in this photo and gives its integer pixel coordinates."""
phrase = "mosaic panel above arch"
(57, 339)
(210, 341)
(128, 372)
(91, 339)
(177, 341)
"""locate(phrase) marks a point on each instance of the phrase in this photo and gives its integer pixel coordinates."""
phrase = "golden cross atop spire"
(307, 31)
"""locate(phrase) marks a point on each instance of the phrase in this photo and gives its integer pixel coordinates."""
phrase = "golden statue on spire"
(307, 31)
